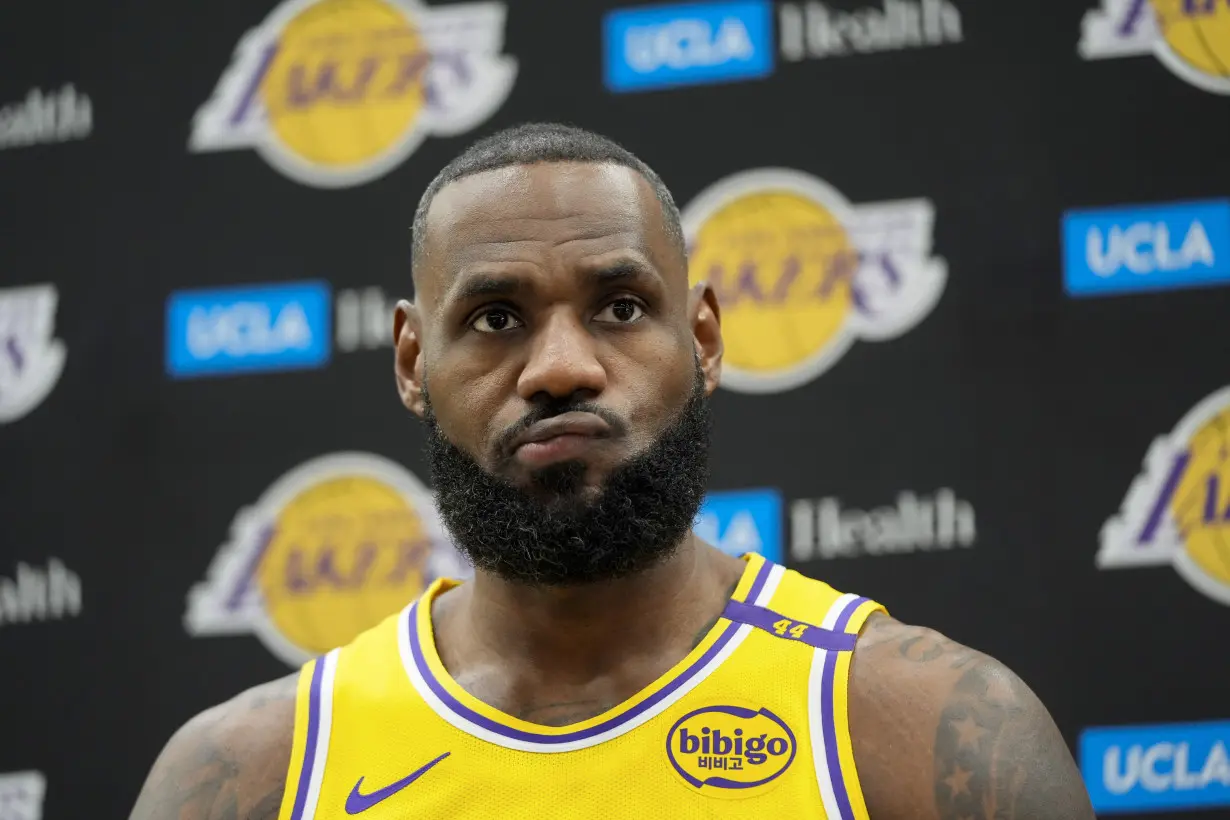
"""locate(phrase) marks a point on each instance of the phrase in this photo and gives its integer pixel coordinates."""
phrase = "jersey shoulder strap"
(309, 748)
(804, 610)
(353, 680)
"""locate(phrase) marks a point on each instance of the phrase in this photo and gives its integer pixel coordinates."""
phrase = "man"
(603, 661)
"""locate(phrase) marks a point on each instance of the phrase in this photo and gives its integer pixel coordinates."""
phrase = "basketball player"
(603, 661)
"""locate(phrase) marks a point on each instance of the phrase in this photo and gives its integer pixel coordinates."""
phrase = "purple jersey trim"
(809, 634)
(498, 728)
(828, 717)
(313, 732)
(762, 578)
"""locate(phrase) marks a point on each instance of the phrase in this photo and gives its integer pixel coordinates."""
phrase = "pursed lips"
(585, 425)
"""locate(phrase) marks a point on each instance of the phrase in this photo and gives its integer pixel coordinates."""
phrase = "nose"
(563, 360)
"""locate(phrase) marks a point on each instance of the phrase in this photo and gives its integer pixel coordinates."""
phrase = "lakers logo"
(1190, 37)
(801, 274)
(333, 548)
(335, 93)
(31, 358)
(726, 750)
(1178, 511)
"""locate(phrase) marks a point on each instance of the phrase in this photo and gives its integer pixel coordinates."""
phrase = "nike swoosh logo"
(357, 802)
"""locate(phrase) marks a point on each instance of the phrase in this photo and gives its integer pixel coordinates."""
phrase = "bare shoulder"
(943, 731)
(227, 763)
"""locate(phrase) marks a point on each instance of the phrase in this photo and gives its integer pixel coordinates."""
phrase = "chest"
(734, 743)
(546, 700)
(706, 765)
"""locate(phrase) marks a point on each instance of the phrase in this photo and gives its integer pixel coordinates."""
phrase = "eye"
(495, 320)
(622, 311)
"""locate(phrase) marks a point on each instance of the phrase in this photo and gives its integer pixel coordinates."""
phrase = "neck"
(585, 631)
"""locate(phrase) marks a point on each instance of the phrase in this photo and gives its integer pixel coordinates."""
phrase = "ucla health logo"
(331, 549)
(1156, 768)
(335, 93)
(46, 117)
(1177, 511)
(31, 358)
(730, 749)
(815, 31)
(920, 522)
(663, 46)
(1151, 247)
(742, 521)
(1189, 37)
(248, 329)
(801, 274)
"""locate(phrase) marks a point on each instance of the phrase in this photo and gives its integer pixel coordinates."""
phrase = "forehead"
(554, 203)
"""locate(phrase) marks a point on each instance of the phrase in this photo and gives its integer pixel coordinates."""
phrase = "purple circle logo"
(730, 747)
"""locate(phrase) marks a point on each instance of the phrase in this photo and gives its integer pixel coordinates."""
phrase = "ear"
(706, 318)
(408, 356)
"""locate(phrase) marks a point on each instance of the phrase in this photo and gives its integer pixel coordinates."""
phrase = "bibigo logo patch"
(1178, 510)
(1189, 37)
(725, 750)
(801, 274)
(331, 549)
(335, 93)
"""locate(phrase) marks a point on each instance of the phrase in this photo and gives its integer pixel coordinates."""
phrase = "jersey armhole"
(310, 745)
(828, 713)
(295, 767)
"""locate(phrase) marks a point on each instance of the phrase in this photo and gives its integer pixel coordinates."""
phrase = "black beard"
(551, 534)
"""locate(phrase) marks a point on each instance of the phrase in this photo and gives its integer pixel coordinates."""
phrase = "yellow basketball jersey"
(752, 723)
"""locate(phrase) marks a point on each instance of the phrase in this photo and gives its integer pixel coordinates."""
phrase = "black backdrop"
(1035, 409)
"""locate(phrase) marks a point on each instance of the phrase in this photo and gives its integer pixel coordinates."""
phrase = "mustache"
(547, 410)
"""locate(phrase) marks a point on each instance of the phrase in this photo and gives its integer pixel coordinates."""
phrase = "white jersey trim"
(815, 715)
(322, 740)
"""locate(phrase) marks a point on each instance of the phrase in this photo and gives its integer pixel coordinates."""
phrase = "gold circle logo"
(1197, 32)
(780, 264)
(331, 549)
(800, 274)
(346, 82)
(1200, 506)
(342, 556)
(776, 248)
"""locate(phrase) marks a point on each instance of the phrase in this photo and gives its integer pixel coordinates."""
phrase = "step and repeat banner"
(974, 262)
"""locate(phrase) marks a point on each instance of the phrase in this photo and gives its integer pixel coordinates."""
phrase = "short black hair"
(537, 142)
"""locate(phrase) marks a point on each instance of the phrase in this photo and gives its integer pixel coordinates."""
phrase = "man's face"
(566, 358)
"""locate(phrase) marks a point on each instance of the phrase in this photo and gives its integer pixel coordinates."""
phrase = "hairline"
(669, 211)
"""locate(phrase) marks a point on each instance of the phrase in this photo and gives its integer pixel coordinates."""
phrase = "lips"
(585, 425)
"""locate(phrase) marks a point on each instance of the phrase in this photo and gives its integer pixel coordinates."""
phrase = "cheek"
(460, 407)
(479, 409)
(658, 395)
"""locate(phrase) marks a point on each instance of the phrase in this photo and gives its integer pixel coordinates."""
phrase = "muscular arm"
(227, 763)
(942, 732)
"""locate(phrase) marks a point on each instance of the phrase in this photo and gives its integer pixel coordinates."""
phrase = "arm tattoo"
(998, 755)
(226, 764)
(199, 784)
(936, 722)
(974, 776)
(914, 644)
(267, 807)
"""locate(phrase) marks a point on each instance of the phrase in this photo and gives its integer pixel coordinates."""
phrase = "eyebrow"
(485, 286)
(621, 270)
